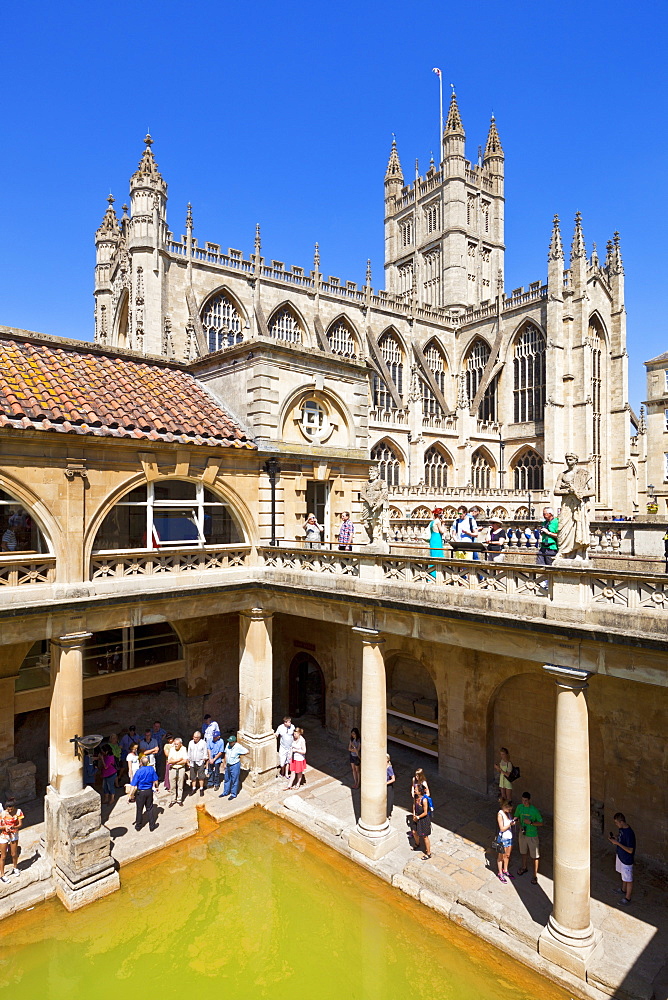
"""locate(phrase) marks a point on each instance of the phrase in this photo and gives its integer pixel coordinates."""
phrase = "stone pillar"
(17, 781)
(77, 845)
(373, 836)
(569, 940)
(255, 687)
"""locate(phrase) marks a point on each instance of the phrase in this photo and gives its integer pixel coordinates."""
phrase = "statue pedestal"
(377, 548)
(571, 562)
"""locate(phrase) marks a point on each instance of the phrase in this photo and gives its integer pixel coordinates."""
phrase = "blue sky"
(283, 113)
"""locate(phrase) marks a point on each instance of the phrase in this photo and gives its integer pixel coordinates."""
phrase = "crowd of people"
(469, 540)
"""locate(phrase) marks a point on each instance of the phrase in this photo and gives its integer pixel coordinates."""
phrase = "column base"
(263, 759)
(78, 847)
(570, 950)
(373, 843)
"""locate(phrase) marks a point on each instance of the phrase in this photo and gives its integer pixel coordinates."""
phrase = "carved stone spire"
(368, 273)
(258, 240)
(394, 171)
(642, 423)
(148, 168)
(109, 228)
(556, 251)
(462, 392)
(316, 257)
(616, 264)
(578, 248)
(493, 147)
(189, 218)
(454, 125)
(594, 261)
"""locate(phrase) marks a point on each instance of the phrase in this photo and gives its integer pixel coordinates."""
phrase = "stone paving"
(459, 881)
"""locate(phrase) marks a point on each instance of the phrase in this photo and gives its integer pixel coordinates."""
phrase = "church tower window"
(222, 323)
(284, 325)
(596, 340)
(406, 230)
(481, 471)
(476, 363)
(388, 463)
(435, 469)
(405, 279)
(432, 277)
(437, 366)
(394, 359)
(529, 375)
(431, 218)
(528, 471)
(341, 339)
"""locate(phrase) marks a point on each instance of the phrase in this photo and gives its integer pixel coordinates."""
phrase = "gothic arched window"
(528, 471)
(341, 339)
(390, 349)
(529, 375)
(222, 323)
(476, 362)
(435, 468)
(284, 325)
(481, 471)
(388, 462)
(437, 365)
(597, 342)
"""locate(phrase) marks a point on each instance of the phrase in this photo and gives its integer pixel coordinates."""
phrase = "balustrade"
(117, 565)
(27, 570)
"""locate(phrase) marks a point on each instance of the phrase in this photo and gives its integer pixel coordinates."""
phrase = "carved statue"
(574, 486)
(375, 506)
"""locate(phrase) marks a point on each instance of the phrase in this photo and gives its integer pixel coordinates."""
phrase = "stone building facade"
(470, 391)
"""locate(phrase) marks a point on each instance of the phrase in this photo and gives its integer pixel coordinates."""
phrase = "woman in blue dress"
(436, 537)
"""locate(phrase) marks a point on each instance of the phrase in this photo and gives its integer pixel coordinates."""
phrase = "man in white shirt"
(285, 732)
(198, 756)
(209, 727)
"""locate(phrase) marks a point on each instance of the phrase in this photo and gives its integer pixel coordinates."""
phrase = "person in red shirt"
(11, 821)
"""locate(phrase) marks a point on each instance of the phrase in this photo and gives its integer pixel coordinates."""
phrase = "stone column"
(569, 940)
(255, 687)
(373, 836)
(16, 780)
(77, 845)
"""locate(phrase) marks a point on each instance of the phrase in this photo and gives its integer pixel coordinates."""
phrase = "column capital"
(572, 677)
(72, 640)
(369, 635)
(257, 614)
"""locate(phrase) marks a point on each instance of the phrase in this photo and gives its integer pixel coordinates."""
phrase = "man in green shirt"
(529, 819)
(548, 546)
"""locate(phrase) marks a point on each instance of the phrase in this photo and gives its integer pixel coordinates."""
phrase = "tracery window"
(388, 463)
(284, 325)
(405, 272)
(476, 363)
(393, 357)
(481, 471)
(222, 323)
(596, 341)
(406, 230)
(485, 215)
(432, 277)
(431, 214)
(437, 366)
(18, 531)
(435, 468)
(529, 375)
(341, 339)
(166, 514)
(528, 471)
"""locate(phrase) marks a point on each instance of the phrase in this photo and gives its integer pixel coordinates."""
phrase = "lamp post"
(272, 468)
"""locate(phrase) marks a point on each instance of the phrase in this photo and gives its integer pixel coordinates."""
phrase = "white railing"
(27, 570)
(316, 560)
(115, 565)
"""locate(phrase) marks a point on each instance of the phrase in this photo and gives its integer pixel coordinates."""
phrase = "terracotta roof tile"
(70, 390)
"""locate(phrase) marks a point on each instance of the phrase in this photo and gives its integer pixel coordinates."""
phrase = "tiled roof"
(73, 390)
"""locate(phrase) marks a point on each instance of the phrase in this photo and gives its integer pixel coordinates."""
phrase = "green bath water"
(247, 911)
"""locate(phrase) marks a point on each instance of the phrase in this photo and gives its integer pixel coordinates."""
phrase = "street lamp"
(83, 743)
(272, 468)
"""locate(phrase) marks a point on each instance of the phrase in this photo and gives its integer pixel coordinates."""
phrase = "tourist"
(117, 751)
(233, 753)
(89, 771)
(422, 821)
(419, 781)
(198, 756)
(435, 530)
(354, 755)
(129, 737)
(625, 843)
(298, 761)
(476, 513)
(145, 781)
(285, 733)
(209, 727)
(11, 821)
(149, 747)
(159, 734)
(504, 767)
(504, 839)
(496, 541)
(548, 547)
(166, 747)
(216, 748)
(177, 762)
(313, 532)
(346, 532)
(391, 778)
(463, 529)
(108, 771)
(529, 819)
(132, 761)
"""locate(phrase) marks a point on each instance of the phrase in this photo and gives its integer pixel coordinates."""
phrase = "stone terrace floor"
(459, 880)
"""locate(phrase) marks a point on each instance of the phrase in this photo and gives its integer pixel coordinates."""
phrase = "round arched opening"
(412, 705)
(307, 688)
(19, 532)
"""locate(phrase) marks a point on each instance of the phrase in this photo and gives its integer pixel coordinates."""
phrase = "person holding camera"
(625, 842)
(529, 819)
(504, 840)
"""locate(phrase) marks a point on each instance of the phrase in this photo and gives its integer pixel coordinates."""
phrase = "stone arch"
(236, 327)
(436, 342)
(240, 510)
(35, 506)
(307, 687)
(287, 305)
(529, 372)
(336, 339)
(527, 468)
(596, 320)
(412, 691)
(391, 330)
(483, 469)
(331, 399)
(382, 461)
(435, 471)
(421, 513)
(122, 320)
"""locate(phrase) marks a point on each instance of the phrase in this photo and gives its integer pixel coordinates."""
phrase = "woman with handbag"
(504, 767)
(504, 840)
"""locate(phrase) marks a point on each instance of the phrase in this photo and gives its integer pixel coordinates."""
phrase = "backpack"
(430, 802)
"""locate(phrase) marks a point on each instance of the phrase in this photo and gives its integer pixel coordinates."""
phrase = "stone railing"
(115, 565)
(379, 416)
(307, 560)
(440, 421)
(27, 570)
